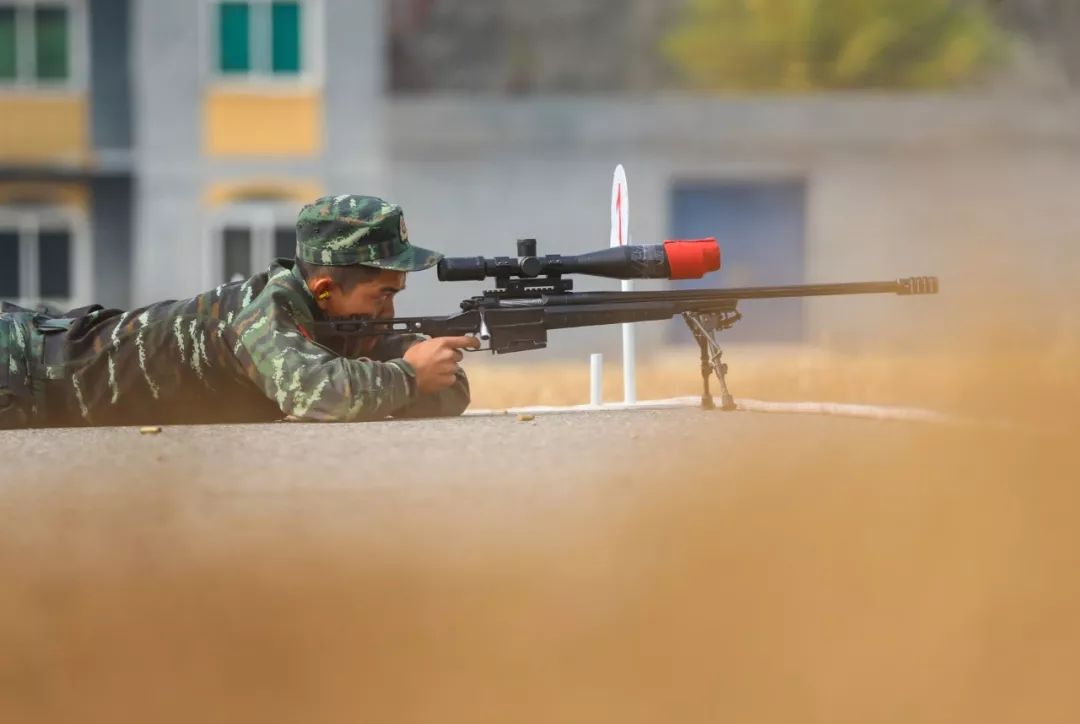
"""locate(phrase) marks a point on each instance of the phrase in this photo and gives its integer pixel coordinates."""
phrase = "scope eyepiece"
(462, 269)
(674, 259)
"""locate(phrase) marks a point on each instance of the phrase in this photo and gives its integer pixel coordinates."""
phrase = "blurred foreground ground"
(633, 567)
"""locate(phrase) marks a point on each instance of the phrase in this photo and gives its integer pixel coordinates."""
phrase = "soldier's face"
(370, 299)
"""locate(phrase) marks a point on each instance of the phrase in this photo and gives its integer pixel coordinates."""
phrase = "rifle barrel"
(911, 285)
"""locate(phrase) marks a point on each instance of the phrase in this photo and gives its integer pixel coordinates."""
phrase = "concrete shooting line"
(836, 409)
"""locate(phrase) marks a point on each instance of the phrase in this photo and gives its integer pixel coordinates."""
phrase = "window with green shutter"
(285, 37)
(8, 51)
(234, 38)
(51, 42)
(260, 38)
(35, 42)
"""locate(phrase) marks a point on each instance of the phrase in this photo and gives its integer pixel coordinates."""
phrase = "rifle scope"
(674, 259)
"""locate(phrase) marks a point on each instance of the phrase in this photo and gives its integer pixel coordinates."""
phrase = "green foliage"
(799, 45)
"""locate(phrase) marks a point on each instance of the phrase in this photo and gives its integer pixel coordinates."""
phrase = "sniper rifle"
(532, 296)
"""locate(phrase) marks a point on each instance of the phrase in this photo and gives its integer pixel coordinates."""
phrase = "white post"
(629, 371)
(596, 379)
(620, 236)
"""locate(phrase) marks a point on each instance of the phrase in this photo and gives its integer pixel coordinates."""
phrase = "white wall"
(982, 192)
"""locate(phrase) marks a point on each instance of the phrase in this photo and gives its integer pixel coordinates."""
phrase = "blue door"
(760, 227)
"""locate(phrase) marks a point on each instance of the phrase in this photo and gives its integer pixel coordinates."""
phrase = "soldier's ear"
(320, 288)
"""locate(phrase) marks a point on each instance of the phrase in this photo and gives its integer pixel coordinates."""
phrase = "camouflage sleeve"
(450, 402)
(307, 380)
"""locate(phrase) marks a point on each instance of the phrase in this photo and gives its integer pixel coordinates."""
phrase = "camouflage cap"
(345, 230)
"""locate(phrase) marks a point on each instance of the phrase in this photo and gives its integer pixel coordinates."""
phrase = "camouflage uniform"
(241, 352)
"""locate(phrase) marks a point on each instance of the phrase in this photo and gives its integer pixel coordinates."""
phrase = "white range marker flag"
(620, 236)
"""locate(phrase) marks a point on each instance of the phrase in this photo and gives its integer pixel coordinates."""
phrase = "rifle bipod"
(704, 326)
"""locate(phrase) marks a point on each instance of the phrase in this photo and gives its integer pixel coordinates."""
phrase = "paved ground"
(546, 449)
(414, 479)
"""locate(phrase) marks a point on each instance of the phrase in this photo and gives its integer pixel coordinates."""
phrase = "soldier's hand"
(436, 361)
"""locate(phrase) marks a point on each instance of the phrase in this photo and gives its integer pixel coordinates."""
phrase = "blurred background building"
(156, 148)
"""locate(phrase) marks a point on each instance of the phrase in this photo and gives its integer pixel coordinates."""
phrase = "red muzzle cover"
(692, 258)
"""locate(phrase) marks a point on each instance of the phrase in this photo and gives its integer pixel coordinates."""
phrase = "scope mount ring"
(531, 286)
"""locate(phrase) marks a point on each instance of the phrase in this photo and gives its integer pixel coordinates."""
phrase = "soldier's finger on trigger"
(459, 342)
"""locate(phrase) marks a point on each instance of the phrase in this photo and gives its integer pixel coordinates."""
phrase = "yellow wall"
(54, 193)
(36, 128)
(265, 123)
(300, 192)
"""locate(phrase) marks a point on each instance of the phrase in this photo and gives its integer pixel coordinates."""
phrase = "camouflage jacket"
(239, 353)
